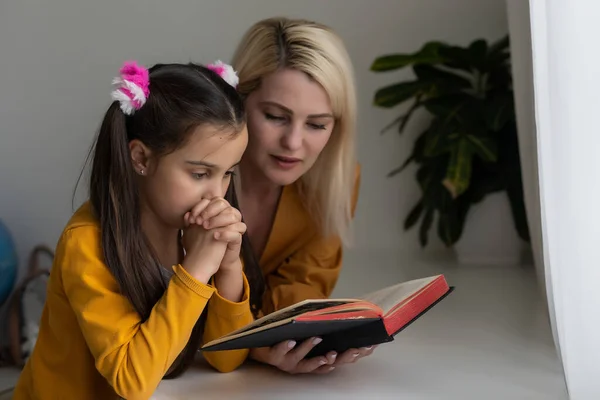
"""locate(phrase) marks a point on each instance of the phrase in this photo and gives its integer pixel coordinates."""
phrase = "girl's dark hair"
(182, 97)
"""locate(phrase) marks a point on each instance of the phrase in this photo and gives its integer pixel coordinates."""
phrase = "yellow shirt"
(298, 263)
(92, 343)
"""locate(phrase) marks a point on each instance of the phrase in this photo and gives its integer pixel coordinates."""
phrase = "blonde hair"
(276, 43)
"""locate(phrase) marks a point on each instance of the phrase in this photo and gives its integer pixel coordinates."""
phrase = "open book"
(341, 323)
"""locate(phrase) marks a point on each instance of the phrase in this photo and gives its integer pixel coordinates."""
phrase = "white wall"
(57, 59)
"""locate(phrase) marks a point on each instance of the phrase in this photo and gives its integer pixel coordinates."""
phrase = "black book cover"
(337, 335)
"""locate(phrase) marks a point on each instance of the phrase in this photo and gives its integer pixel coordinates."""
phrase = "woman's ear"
(140, 156)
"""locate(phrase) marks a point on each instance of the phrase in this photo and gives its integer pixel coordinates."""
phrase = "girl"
(299, 179)
(137, 284)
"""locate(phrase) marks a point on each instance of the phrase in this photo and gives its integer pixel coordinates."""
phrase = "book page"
(292, 311)
(389, 297)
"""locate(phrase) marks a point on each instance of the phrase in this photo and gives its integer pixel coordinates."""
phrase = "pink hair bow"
(131, 87)
(225, 71)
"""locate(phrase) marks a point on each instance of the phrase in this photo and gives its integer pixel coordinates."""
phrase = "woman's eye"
(317, 126)
(229, 174)
(274, 117)
(199, 175)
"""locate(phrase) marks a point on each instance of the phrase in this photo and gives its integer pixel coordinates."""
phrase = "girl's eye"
(199, 175)
(229, 174)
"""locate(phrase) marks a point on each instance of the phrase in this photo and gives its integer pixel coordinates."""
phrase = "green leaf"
(425, 225)
(485, 147)
(416, 155)
(446, 106)
(413, 215)
(403, 119)
(500, 45)
(459, 168)
(449, 227)
(428, 54)
(440, 138)
(418, 151)
(486, 178)
(444, 81)
(478, 54)
(456, 57)
(401, 168)
(498, 53)
(393, 95)
(430, 177)
(499, 110)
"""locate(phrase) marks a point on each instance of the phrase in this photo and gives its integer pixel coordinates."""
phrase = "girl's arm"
(227, 312)
(132, 355)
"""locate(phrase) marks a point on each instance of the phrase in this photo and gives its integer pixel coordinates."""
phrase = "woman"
(298, 179)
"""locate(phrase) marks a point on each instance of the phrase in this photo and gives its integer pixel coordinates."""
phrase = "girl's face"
(290, 121)
(202, 169)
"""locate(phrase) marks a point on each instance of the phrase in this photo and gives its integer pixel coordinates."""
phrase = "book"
(343, 324)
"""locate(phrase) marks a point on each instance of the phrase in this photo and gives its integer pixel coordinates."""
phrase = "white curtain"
(556, 65)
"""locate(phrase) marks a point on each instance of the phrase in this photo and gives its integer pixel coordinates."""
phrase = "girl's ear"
(140, 156)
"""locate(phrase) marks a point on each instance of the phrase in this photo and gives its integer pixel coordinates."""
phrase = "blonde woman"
(298, 180)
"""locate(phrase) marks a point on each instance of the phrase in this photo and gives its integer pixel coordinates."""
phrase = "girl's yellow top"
(92, 343)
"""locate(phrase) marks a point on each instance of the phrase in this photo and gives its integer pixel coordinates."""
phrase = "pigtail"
(115, 200)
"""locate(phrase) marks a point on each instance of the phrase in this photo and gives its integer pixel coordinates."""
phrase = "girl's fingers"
(228, 236)
(226, 218)
(216, 206)
(195, 212)
(238, 227)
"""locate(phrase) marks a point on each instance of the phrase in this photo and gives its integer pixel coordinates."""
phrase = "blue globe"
(8, 263)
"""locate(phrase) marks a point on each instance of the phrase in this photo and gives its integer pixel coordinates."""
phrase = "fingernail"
(333, 356)
(331, 368)
(291, 344)
(355, 354)
(323, 362)
(368, 348)
(317, 341)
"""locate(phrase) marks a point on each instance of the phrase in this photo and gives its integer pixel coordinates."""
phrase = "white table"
(490, 339)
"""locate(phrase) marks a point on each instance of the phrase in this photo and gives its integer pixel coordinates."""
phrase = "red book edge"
(414, 305)
(337, 312)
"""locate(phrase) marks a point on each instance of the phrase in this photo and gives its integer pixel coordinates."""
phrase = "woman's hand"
(352, 355)
(289, 357)
(219, 216)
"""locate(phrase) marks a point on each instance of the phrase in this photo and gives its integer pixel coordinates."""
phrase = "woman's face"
(290, 121)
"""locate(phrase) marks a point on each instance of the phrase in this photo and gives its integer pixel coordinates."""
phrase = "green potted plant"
(469, 150)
